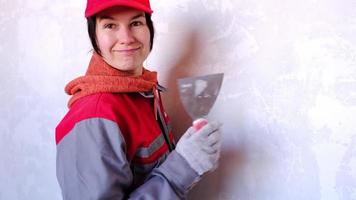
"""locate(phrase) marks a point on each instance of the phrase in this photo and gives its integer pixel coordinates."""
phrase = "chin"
(127, 68)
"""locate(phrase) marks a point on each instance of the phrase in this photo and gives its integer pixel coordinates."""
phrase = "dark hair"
(91, 22)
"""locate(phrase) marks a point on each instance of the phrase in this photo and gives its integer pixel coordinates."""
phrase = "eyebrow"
(109, 17)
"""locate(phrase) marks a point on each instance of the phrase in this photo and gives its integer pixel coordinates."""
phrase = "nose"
(125, 35)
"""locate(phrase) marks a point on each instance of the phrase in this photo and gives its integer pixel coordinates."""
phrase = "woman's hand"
(201, 149)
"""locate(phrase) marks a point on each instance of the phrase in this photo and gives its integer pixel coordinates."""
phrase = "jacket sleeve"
(92, 164)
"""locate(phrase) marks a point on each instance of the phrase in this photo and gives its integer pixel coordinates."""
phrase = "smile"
(127, 51)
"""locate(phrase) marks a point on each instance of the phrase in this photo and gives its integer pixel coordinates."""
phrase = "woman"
(115, 141)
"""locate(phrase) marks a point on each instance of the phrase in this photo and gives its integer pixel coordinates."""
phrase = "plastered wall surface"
(288, 99)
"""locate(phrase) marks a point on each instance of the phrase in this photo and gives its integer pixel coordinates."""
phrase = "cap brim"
(109, 4)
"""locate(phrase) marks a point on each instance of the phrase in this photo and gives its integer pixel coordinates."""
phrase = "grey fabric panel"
(142, 171)
(178, 172)
(175, 176)
(153, 147)
(91, 162)
(144, 168)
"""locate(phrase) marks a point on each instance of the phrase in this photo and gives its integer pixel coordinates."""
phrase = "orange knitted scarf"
(101, 77)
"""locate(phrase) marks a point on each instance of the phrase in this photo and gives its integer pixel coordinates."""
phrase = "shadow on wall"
(183, 67)
(187, 64)
(214, 185)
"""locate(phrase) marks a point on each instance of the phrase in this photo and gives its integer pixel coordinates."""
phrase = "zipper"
(164, 129)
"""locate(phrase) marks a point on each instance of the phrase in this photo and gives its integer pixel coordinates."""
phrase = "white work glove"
(201, 149)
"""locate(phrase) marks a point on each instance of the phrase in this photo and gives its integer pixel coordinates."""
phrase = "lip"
(127, 51)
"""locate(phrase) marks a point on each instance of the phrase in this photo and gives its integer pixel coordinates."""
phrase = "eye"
(109, 26)
(137, 23)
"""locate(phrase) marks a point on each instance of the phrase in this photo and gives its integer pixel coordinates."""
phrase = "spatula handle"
(199, 123)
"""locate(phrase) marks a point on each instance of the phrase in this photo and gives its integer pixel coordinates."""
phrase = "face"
(123, 38)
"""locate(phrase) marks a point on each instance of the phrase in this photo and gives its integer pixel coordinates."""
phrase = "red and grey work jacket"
(110, 146)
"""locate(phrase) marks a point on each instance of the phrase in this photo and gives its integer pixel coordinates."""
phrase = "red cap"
(95, 6)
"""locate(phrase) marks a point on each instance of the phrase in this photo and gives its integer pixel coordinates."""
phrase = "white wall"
(288, 101)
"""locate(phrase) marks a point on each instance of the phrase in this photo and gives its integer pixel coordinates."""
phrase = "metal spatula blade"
(198, 94)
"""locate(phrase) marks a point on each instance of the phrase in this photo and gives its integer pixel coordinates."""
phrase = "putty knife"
(198, 95)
